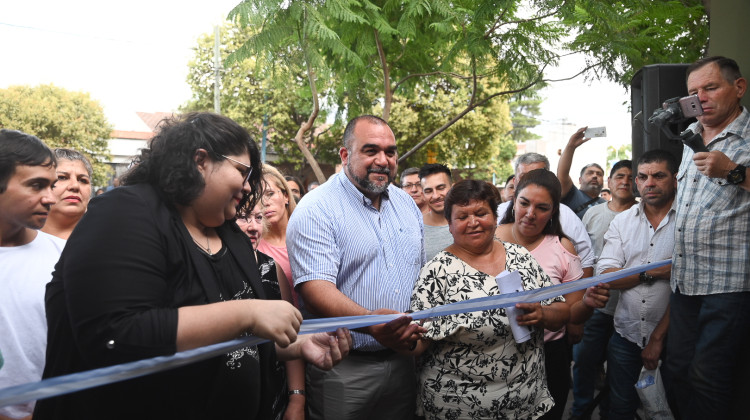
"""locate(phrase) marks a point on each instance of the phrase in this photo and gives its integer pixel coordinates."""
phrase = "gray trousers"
(363, 386)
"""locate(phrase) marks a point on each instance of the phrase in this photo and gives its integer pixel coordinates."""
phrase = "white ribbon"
(66, 384)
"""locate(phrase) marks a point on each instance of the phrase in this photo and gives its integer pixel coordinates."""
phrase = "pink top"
(279, 254)
(560, 265)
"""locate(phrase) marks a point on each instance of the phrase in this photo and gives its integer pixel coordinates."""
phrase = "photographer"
(710, 284)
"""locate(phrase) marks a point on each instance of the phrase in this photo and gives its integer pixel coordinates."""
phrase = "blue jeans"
(589, 355)
(624, 365)
(705, 343)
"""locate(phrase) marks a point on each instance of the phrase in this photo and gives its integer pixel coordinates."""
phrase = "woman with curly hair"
(160, 266)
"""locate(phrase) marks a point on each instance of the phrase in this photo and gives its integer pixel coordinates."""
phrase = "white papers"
(511, 283)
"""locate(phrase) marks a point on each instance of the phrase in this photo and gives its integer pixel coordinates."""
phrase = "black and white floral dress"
(474, 368)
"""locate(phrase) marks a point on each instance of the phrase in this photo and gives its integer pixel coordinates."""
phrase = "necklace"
(206, 248)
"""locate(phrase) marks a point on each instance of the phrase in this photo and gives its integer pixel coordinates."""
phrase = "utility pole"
(217, 71)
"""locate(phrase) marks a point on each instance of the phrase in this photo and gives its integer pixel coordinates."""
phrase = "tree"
(60, 118)
(623, 36)
(524, 113)
(478, 145)
(378, 51)
(615, 155)
(259, 97)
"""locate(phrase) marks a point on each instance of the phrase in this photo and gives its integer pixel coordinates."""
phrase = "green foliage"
(423, 51)
(60, 118)
(478, 144)
(615, 155)
(626, 35)
(252, 91)
(524, 111)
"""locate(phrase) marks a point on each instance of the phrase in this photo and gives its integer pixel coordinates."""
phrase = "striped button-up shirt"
(373, 256)
(712, 234)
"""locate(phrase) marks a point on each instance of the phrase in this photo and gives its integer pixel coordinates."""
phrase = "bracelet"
(296, 392)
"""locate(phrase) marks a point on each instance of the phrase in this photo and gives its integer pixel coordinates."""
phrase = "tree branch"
(460, 115)
(299, 138)
(587, 68)
(533, 19)
(386, 77)
(495, 25)
(434, 73)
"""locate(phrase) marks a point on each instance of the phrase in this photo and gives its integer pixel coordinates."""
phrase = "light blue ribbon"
(66, 384)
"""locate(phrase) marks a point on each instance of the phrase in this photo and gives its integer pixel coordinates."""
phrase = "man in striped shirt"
(356, 247)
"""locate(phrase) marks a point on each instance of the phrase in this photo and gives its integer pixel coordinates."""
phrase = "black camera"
(677, 110)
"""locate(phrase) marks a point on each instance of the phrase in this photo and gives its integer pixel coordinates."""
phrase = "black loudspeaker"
(649, 88)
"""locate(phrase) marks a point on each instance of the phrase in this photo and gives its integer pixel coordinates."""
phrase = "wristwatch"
(737, 175)
(646, 279)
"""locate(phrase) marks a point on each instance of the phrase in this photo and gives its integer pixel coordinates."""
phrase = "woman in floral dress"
(471, 367)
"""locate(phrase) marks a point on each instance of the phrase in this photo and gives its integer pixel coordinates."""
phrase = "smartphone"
(595, 132)
(691, 106)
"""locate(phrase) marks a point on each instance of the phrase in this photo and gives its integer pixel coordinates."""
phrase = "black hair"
(18, 148)
(590, 165)
(729, 68)
(547, 180)
(660, 155)
(462, 192)
(169, 162)
(297, 181)
(349, 130)
(434, 168)
(625, 163)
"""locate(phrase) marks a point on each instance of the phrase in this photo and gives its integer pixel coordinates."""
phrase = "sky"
(132, 56)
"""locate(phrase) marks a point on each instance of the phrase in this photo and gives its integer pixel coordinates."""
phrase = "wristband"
(296, 392)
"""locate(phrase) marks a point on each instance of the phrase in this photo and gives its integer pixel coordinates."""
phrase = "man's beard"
(592, 189)
(368, 185)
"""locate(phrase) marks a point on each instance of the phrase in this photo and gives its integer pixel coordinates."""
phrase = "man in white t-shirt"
(27, 258)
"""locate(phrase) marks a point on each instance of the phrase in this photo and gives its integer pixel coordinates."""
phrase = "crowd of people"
(203, 243)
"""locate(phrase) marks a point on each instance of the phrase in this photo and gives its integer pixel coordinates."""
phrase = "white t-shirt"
(24, 273)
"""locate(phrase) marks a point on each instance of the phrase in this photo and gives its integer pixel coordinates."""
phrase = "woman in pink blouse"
(533, 221)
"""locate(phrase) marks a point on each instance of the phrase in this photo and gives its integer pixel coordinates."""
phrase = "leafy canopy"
(259, 95)
(400, 53)
(60, 118)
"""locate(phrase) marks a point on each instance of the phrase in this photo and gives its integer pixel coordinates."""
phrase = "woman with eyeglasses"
(159, 266)
(289, 403)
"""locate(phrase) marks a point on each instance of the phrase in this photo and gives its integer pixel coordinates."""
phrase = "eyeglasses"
(412, 185)
(249, 169)
(257, 217)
